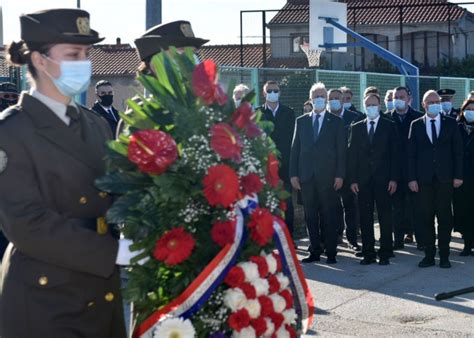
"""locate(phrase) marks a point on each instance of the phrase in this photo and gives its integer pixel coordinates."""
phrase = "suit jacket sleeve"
(40, 232)
(411, 150)
(341, 149)
(458, 153)
(295, 152)
(395, 168)
(352, 156)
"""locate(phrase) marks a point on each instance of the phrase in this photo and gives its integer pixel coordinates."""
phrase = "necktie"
(401, 117)
(316, 127)
(111, 112)
(434, 135)
(371, 131)
(75, 123)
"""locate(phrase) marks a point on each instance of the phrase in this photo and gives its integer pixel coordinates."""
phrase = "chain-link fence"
(295, 83)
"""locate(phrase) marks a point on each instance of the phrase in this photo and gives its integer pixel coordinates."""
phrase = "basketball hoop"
(313, 55)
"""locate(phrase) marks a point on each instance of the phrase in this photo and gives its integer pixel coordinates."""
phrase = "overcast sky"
(217, 20)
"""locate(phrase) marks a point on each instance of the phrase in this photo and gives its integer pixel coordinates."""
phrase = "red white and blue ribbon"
(199, 291)
(304, 306)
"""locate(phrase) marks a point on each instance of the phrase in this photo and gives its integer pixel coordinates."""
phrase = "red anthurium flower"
(251, 183)
(243, 115)
(238, 320)
(223, 232)
(205, 84)
(261, 226)
(226, 142)
(152, 150)
(272, 170)
(221, 185)
(253, 130)
(174, 247)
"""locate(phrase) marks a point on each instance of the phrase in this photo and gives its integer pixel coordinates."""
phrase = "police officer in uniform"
(447, 96)
(8, 95)
(59, 274)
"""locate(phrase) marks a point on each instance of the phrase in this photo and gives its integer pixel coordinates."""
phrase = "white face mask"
(75, 76)
(372, 112)
(237, 103)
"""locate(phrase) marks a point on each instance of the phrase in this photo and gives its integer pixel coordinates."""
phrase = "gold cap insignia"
(83, 25)
(187, 30)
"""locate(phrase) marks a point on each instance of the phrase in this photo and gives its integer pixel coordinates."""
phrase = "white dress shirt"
(375, 124)
(58, 108)
(321, 118)
(274, 112)
(110, 111)
(428, 125)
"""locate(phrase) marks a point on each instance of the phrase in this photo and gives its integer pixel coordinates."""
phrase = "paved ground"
(390, 301)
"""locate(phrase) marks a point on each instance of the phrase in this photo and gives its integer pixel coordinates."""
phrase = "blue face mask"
(372, 112)
(469, 116)
(400, 104)
(335, 105)
(273, 97)
(390, 105)
(347, 105)
(75, 76)
(319, 103)
(447, 106)
(434, 109)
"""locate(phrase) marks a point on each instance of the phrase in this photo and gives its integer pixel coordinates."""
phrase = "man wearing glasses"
(283, 118)
(8, 95)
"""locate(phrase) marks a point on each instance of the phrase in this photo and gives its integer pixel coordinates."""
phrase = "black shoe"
(384, 261)
(444, 263)
(356, 247)
(331, 260)
(398, 246)
(367, 261)
(420, 247)
(359, 254)
(426, 262)
(466, 252)
(409, 238)
(311, 258)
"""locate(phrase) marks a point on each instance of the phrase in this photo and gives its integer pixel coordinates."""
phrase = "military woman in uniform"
(59, 277)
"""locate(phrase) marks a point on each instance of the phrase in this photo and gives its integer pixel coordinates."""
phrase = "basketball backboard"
(321, 32)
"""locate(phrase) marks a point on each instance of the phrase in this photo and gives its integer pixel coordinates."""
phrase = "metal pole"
(355, 48)
(401, 30)
(78, 3)
(264, 31)
(449, 33)
(241, 40)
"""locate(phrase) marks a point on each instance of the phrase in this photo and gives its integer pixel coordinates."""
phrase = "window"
(297, 41)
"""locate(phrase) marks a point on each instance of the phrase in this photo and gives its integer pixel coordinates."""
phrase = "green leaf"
(121, 208)
(118, 147)
(122, 182)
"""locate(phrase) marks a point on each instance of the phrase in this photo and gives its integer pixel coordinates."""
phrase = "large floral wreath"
(199, 193)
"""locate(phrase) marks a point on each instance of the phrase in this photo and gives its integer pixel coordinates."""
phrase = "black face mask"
(4, 104)
(106, 100)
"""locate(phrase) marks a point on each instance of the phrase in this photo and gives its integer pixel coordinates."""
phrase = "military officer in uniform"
(59, 273)
(447, 96)
(8, 95)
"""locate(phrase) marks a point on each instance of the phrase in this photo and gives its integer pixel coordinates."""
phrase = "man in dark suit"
(283, 118)
(317, 168)
(447, 96)
(373, 173)
(104, 104)
(346, 211)
(405, 217)
(347, 103)
(435, 165)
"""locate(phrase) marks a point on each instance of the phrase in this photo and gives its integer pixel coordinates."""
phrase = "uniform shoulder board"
(9, 112)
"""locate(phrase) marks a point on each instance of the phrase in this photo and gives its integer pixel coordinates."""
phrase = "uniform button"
(43, 280)
(83, 200)
(109, 297)
(103, 194)
(90, 304)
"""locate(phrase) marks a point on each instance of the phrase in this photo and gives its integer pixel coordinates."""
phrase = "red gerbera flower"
(262, 265)
(261, 226)
(288, 298)
(152, 150)
(274, 284)
(235, 277)
(226, 142)
(221, 185)
(223, 232)
(239, 319)
(251, 183)
(249, 290)
(205, 84)
(272, 170)
(174, 247)
(259, 325)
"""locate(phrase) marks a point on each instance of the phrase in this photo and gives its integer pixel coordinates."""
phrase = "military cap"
(161, 37)
(446, 92)
(66, 25)
(8, 87)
